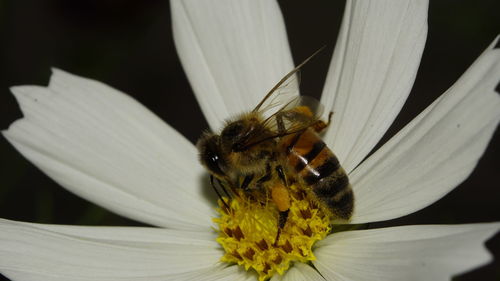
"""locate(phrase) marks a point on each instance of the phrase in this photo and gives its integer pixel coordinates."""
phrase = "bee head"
(211, 154)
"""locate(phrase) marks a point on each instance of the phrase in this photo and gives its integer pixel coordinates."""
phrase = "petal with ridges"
(104, 146)
(233, 52)
(372, 72)
(49, 252)
(299, 272)
(435, 152)
(216, 273)
(423, 252)
(220, 273)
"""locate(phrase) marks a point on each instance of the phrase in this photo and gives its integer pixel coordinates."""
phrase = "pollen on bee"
(248, 229)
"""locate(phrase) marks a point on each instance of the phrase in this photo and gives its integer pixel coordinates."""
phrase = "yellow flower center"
(248, 230)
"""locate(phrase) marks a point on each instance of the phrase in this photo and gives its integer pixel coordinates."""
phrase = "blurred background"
(128, 45)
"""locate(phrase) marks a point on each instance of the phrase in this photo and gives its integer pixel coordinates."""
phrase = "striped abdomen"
(319, 168)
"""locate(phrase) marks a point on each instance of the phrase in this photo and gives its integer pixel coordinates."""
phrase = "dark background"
(128, 44)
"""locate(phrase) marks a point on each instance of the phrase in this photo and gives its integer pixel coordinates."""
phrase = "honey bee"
(274, 145)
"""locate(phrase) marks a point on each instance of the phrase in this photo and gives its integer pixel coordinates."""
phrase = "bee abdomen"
(313, 153)
(336, 193)
(313, 175)
(320, 169)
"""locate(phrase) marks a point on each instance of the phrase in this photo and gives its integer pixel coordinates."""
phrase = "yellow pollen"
(247, 232)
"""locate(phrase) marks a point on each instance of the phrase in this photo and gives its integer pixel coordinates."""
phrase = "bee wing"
(281, 94)
(294, 116)
(284, 91)
(286, 112)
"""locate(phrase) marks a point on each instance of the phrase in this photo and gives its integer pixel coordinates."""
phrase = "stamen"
(248, 228)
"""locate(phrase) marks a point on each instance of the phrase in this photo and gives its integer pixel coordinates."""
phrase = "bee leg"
(266, 177)
(320, 125)
(283, 216)
(246, 182)
(281, 198)
(329, 118)
(217, 191)
(281, 175)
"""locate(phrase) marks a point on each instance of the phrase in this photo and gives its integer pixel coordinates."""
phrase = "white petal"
(299, 272)
(216, 273)
(424, 252)
(48, 252)
(106, 147)
(233, 52)
(372, 71)
(220, 273)
(435, 152)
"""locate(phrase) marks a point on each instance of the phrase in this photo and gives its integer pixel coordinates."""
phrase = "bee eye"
(213, 162)
(210, 154)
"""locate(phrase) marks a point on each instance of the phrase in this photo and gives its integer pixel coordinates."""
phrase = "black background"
(129, 45)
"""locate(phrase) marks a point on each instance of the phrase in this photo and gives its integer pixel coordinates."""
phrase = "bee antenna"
(223, 188)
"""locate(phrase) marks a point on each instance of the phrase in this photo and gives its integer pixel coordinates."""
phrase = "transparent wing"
(281, 94)
(296, 115)
(284, 110)
(286, 90)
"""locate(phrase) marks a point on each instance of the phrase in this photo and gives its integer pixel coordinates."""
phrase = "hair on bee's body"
(262, 151)
(227, 157)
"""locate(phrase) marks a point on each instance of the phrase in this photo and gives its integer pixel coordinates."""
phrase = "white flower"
(107, 148)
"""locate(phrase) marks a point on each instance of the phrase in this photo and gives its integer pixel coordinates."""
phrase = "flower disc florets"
(248, 230)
